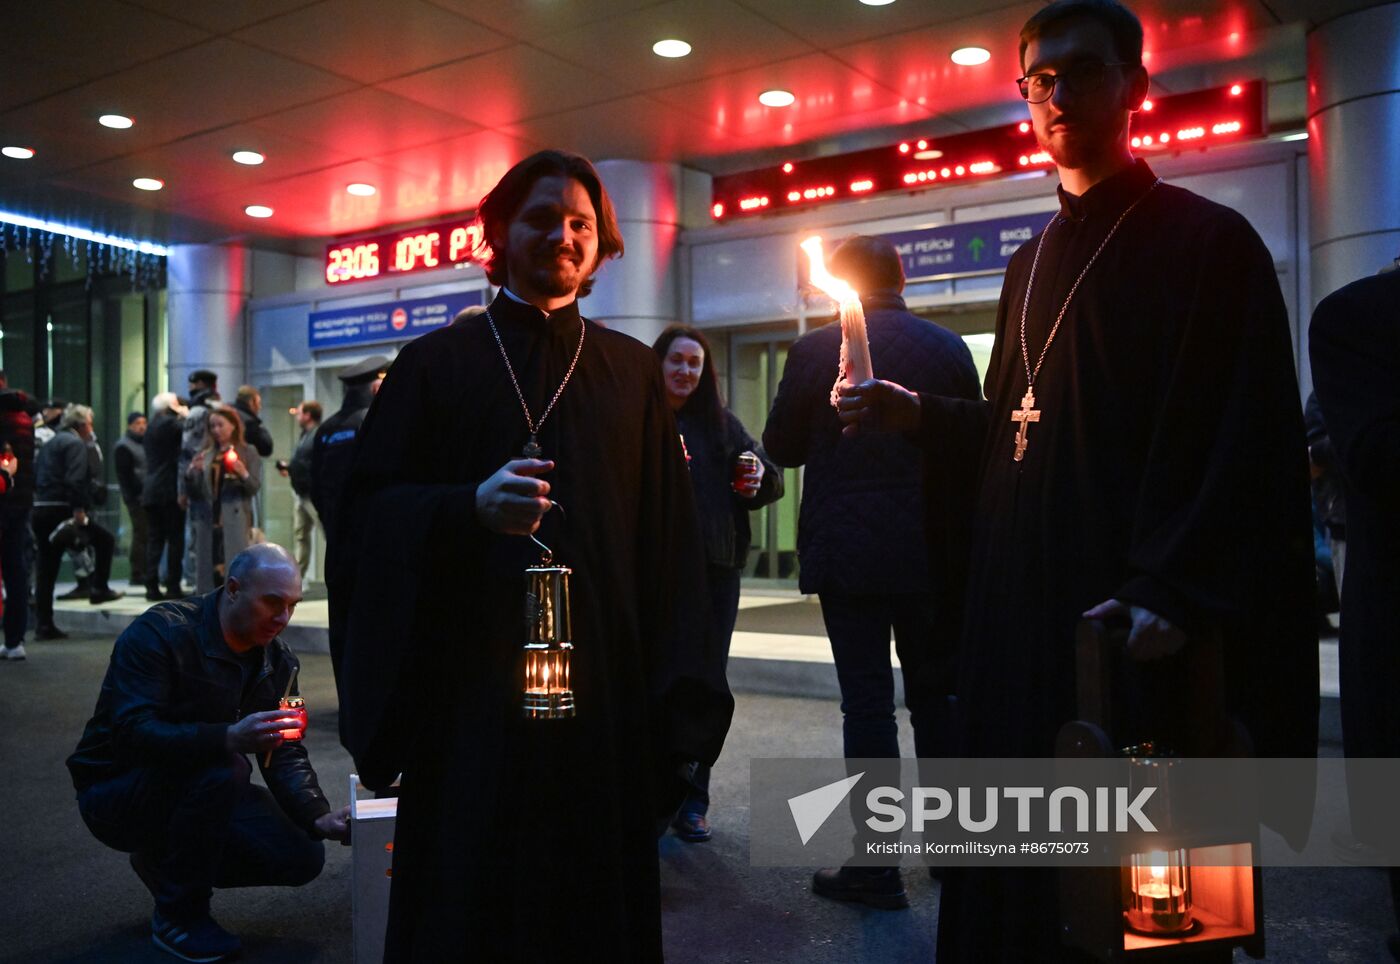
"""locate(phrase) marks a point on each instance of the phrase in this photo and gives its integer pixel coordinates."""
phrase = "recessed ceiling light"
(670, 48)
(258, 211)
(18, 153)
(361, 190)
(776, 98)
(115, 121)
(971, 56)
(876, 3)
(250, 158)
(148, 184)
(1300, 136)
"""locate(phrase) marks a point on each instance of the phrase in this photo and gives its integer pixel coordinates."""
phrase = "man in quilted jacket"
(881, 554)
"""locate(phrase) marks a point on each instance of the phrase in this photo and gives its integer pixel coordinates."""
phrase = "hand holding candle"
(748, 475)
(855, 366)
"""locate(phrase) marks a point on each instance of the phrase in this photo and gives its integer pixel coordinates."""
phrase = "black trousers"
(139, 539)
(724, 610)
(165, 528)
(15, 560)
(46, 520)
(200, 828)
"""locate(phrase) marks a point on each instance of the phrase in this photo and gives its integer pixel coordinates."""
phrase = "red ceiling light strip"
(1189, 121)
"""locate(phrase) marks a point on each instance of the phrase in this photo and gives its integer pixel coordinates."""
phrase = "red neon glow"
(417, 250)
(1040, 157)
(1147, 140)
(753, 203)
(787, 168)
(984, 167)
(959, 170)
(904, 148)
(1024, 127)
(717, 210)
(947, 172)
(1226, 127)
(1236, 90)
(910, 178)
(1137, 141)
(794, 195)
(1147, 104)
(858, 187)
(1190, 133)
(352, 262)
(1164, 137)
(1025, 160)
(922, 145)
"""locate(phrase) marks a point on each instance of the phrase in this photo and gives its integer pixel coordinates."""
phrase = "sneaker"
(13, 654)
(100, 596)
(692, 827)
(201, 941)
(879, 887)
(49, 632)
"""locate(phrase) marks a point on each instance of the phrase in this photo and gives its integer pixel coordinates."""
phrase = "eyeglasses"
(1080, 79)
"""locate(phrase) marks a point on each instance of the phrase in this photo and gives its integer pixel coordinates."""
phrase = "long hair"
(503, 202)
(231, 414)
(705, 403)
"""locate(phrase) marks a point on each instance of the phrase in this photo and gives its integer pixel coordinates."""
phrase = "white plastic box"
(371, 869)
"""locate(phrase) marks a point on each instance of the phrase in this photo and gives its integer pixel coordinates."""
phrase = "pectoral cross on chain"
(1026, 414)
(532, 449)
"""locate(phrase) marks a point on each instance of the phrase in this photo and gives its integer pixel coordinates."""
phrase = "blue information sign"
(960, 249)
(389, 321)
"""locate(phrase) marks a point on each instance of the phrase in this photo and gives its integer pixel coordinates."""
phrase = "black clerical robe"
(1167, 470)
(522, 839)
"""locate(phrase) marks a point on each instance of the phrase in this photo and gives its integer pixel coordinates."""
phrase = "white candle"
(855, 366)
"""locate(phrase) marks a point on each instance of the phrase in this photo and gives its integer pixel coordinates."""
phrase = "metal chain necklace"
(1028, 413)
(532, 447)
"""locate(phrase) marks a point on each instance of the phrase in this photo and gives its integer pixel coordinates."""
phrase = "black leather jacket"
(171, 691)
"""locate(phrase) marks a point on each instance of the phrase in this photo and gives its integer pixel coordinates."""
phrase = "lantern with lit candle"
(1159, 893)
(855, 366)
(548, 644)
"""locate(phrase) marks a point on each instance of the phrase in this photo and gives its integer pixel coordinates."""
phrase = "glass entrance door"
(756, 363)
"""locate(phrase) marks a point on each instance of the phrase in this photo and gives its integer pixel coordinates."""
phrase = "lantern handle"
(547, 554)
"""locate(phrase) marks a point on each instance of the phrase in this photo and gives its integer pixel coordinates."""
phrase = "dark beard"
(553, 283)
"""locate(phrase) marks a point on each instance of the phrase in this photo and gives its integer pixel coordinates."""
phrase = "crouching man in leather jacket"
(162, 770)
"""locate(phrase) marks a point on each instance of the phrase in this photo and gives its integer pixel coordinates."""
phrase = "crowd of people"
(1140, 412)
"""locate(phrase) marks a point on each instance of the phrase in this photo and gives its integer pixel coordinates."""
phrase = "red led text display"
(1176, 122)
(402, 252)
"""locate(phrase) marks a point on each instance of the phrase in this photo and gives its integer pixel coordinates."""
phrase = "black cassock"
(1168, 470)
(521, 839)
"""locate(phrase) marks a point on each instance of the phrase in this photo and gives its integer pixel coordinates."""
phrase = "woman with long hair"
(731, 477)
(222, 479)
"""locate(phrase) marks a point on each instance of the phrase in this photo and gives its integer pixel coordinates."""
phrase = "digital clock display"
(402, 252)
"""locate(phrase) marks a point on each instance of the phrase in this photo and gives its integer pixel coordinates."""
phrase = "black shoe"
(879, 887)
(101, 596)
(177, 593)
(692, 827)
(201, 941)
(49, 632)
(153, 594)
(81, 591)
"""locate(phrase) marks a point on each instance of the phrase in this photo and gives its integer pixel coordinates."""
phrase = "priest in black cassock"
(1141, 454)
(523, 839)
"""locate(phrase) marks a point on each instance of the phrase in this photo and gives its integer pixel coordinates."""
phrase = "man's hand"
(1151, 637)
(335, 825)
(259, 732)
(9, 463)
(513, 501)
(877, 406)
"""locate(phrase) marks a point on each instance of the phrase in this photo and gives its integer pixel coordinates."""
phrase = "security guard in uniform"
(332, 454)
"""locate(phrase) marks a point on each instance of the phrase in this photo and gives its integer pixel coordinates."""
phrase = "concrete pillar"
(638, 294)
(1353, 136)
(208, 285)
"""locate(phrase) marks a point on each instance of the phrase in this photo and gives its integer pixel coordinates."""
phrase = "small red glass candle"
(230, 459)
(744, 466)
(295, 707)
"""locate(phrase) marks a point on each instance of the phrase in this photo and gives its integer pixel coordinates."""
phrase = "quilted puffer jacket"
(861, 526)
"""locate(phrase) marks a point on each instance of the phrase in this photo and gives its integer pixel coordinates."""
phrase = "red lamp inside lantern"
(295, 707)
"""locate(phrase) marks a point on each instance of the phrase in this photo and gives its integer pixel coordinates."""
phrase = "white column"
(638, 294)
(1353, 139)
(208, 286)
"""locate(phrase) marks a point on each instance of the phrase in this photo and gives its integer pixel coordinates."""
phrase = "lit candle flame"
(834, 287)
(546, 674)
(855, 366)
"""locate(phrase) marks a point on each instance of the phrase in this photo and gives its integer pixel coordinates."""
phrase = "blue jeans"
(859, 627)
(200, 828)
(14, 566)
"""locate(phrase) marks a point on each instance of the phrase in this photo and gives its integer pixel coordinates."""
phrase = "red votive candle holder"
(294, 706)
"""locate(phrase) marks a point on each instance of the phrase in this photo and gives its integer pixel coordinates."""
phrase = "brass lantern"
(548, 644)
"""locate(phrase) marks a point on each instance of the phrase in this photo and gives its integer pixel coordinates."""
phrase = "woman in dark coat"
(726, 491)
(222, 480)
